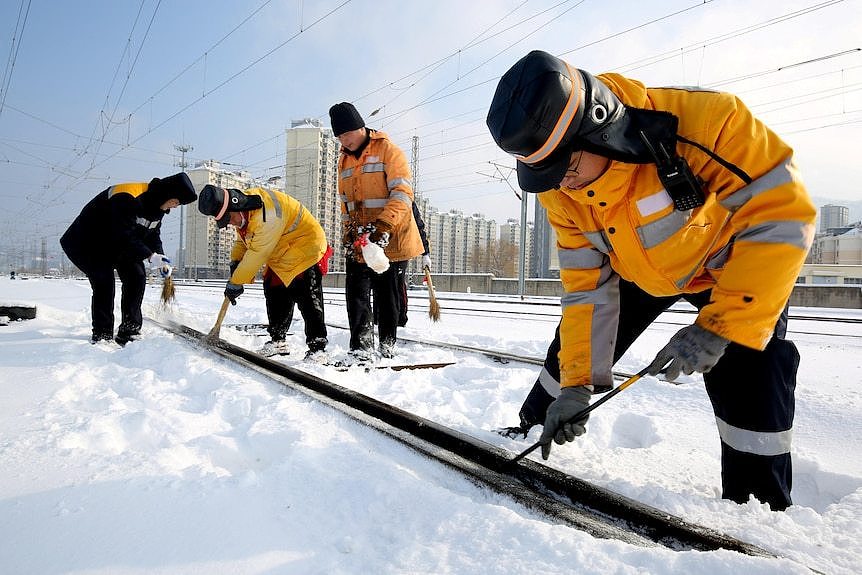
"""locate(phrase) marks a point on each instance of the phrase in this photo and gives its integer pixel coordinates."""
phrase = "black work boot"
(101, 336)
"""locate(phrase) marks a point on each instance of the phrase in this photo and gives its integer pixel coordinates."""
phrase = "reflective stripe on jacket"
(377, 186)
(747, 243)
(282, 235)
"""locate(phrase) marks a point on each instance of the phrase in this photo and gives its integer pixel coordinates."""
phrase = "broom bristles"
(434, 310)
(168, 291)
(433, 306)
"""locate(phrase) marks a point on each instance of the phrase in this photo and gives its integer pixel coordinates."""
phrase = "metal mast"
(181, 263)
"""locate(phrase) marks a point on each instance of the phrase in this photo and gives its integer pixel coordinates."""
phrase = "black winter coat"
(123, 223)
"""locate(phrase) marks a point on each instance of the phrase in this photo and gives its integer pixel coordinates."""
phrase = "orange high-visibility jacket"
(748, 242)
(377, 186)
(282, 235)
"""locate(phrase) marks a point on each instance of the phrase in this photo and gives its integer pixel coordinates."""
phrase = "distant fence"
(843, 296)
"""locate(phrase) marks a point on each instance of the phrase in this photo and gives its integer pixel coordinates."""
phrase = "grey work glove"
(233, 265)
(558, 427)
(691, 349)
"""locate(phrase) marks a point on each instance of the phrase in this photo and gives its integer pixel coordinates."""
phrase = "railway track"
(561, 497)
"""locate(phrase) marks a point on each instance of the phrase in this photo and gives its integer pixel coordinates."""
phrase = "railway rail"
(561, 497)
(547, 309)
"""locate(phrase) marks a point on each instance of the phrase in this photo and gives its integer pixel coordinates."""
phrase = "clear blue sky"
(99, 92)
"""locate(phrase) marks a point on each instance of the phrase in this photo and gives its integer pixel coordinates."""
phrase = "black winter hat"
(219, 202)
(542, 111)
(178, 186)
(345, 118)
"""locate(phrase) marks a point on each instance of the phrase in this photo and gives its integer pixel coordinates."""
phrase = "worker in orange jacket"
(658, 194)
(376, 193)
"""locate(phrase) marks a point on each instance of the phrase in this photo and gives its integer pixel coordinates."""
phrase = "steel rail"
(570, 500)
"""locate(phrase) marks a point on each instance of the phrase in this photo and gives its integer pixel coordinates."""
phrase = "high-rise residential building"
(207, 248)
(456, 240)
(311, 176)
(479, 233)
(833, 217)
(510, 233)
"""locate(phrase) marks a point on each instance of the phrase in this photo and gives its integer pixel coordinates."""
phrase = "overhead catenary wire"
(451, 153)
(17, 39)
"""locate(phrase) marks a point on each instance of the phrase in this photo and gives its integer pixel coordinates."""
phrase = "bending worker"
(117, 230)
(274, 230)
(681, 193)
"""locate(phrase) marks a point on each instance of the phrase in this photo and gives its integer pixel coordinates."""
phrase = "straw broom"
(433, 306)
(168, 291)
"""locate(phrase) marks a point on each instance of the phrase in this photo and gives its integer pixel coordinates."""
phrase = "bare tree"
(499, 258)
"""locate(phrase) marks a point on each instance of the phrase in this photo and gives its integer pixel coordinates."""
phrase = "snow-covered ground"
(163, 458)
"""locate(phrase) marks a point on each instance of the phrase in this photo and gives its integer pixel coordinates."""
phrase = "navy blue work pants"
(752, 394)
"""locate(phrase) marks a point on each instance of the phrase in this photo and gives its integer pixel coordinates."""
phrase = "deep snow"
(163, 458)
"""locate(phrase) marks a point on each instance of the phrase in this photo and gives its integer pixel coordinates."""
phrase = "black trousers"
(133, 279)
(305, 292)
(752, 394)
(361, 283)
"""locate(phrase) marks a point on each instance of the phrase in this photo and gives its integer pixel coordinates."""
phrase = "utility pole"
(414, 164)
(181, 263)
(414, 172)
(522, 249)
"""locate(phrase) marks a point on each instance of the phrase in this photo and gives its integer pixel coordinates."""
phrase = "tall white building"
(311, 176)
(455, 239)
(833, 217)
(510, 232)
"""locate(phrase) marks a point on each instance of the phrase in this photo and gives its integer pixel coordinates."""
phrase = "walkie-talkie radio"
(676, 177)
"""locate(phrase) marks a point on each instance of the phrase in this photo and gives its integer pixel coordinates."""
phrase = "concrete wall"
(843, 296)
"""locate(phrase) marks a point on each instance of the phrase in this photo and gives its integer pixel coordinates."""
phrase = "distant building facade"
(510, 233)
(311, 176)
(832, 216)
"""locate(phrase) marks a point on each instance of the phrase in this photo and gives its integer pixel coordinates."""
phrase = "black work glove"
(691, 349)
(233, 291)
(379, 233)
(558, 427)
(233, 265)
(347, 243)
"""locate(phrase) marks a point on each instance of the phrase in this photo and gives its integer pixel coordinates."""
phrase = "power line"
(13, 53)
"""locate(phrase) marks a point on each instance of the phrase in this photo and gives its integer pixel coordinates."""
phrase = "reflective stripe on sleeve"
(296, 220)
(781, 174)
(401, 197)
(549, 384)
(582, 258)
(395, 182)
(375, 203)
(606, 292)
(146, 223)
(799, 234)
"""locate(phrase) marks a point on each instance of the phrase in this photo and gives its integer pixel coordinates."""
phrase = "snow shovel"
(433, 306)
(212, 336)
(583, 412)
